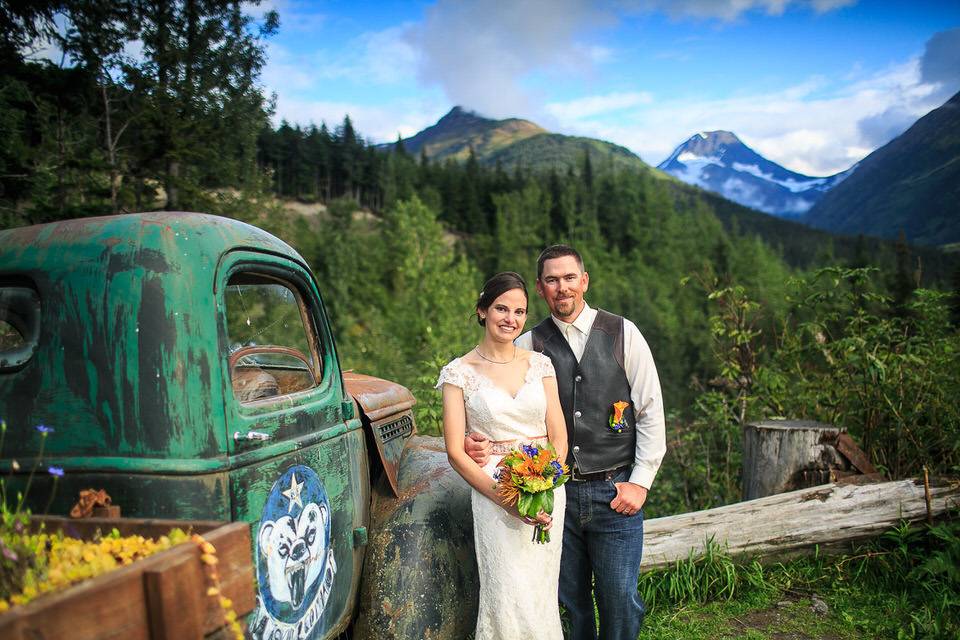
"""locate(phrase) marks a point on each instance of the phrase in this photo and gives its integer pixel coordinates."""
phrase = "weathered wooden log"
(830, 517)
(784, 455)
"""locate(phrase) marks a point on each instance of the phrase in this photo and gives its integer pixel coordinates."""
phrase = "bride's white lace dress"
(518, 578)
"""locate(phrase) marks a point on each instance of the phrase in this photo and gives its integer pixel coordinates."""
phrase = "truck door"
(298, 466)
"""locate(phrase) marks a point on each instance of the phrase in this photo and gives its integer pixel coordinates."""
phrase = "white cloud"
(810, 127)
(728, 10)
(597, 105)
(480, 52)
(380, 57)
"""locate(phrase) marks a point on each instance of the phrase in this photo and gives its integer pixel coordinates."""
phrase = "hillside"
(555, 151)
(910, 184)
(512, 142)
(457, 131)
(806, 247)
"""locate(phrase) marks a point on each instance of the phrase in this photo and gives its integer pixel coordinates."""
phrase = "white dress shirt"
(644, 383)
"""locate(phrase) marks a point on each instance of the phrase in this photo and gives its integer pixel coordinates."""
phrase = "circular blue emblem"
(295, 565)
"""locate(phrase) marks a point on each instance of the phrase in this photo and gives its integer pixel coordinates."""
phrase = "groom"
(601, 360)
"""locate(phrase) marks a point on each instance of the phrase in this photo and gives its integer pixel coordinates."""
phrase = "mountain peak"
(719, 137)
(461, 115)
(712, 143)
(719, 161)
(461, 129)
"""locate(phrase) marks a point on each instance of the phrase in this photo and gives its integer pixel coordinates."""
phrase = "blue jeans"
(602, 544)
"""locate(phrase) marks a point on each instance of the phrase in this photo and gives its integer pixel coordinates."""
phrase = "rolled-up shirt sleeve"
(647, 403)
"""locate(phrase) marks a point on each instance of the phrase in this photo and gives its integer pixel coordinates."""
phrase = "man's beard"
(565, 308)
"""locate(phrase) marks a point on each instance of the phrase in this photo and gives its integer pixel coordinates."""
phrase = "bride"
(510, 396)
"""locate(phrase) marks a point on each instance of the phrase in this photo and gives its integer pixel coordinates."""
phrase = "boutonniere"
(617, 421)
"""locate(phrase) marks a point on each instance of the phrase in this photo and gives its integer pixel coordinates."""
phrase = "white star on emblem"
(293, 493)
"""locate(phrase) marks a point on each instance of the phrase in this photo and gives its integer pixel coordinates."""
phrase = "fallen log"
(831, 517)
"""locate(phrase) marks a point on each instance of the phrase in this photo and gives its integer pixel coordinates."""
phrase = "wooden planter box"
(163, 596)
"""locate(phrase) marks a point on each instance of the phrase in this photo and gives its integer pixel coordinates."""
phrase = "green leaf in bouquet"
(523, 503)
(547, 501)
(536, 504)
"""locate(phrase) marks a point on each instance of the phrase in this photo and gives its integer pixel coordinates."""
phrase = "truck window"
(19, 325)
(269, 333)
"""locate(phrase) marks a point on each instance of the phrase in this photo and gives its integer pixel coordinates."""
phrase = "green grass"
(904, 585)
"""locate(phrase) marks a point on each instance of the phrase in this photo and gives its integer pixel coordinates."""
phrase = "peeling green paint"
(129, 337)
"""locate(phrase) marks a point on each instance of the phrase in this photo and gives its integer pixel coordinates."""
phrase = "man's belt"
(576, 476)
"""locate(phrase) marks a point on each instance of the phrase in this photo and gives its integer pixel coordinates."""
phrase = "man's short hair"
(557, 251)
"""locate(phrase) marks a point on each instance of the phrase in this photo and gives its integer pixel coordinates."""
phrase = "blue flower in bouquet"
(530, 450)
(55, 471)
(44, 429)
(557, 469)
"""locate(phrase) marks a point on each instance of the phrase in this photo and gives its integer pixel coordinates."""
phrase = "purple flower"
(55, 471)
(557, 469)
(8, 553)
(530, 450)
(44, 429)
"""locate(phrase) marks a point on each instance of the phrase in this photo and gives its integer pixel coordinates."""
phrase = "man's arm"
(648, 409)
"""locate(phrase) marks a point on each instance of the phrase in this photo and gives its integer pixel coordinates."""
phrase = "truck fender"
(420, 575)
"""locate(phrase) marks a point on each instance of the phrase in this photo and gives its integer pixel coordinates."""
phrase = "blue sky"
(812, 84)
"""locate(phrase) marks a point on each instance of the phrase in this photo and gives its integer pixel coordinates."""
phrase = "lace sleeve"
(544, 367)
(452, 373)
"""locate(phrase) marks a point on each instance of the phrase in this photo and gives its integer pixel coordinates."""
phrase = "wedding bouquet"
(527, 477)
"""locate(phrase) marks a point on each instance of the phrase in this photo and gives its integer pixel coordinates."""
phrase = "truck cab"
(186, 365)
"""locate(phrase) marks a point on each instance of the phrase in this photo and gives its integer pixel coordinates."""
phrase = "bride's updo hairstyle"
(496, 287)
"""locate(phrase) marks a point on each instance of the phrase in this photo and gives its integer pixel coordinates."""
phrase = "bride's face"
(506, 316)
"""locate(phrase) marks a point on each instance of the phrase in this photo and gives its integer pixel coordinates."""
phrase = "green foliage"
(832, 349)
(711, 575)
(406, 310)
(17, 556)
(847, 357)
(909, 577)
(107, 132)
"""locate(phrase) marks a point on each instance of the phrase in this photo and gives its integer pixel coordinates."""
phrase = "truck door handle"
(250, 435)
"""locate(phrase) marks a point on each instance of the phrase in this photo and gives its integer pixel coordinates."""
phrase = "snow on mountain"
(718, 161)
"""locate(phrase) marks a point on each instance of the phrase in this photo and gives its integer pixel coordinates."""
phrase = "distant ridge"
(454, 134)
(719, 161)
(911, 184)
(512, 142)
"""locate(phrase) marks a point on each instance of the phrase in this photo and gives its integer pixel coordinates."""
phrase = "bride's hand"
(542, 518)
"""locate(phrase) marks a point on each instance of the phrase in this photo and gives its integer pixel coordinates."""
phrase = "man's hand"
(477, 447)
(630, 498)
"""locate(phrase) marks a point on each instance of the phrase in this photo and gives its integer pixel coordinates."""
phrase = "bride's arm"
(556, 425)
(454, 428)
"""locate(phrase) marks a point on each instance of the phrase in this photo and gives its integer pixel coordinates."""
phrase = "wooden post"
(784, 455)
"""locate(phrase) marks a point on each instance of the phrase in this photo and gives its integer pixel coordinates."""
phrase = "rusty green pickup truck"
(187, 366)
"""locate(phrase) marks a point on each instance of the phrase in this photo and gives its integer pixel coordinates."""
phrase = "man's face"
(562, 286)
